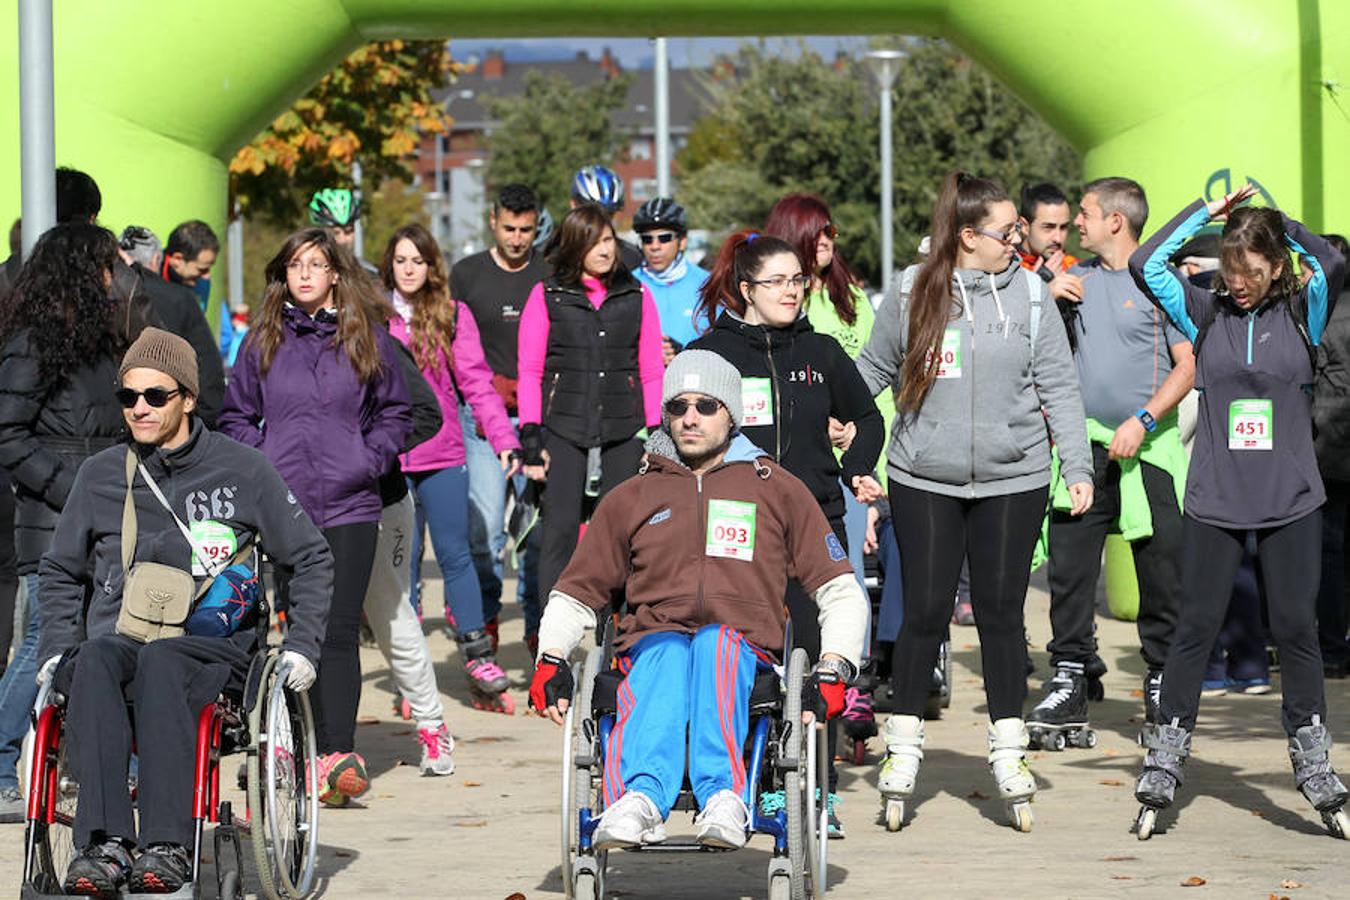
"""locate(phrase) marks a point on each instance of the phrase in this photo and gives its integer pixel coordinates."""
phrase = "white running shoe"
(724, 821)
(632, 820)
(437, 747)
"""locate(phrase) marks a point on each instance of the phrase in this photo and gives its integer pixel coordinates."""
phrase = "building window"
(640, 148)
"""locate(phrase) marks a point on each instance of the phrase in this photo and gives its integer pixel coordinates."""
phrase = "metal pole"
(437, 212)
(662, 107)
(358, 235)
(37, 132)
(884, 65)
(234, 237)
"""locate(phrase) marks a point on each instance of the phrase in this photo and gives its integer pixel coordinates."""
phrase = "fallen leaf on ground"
(1136, 693)
(1122, 877)
(1110, 752)
(1111, 782)
(1119, 858)
(516, 896)
(404, 731)
(344, 854)
(473, 784)
(1193, 881)
(1277, 897)
(367, 720)
(1257, 812)
(1291, 883)
(479, 824)
(977, 795)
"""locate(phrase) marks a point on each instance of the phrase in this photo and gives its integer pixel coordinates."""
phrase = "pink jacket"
(474, 380)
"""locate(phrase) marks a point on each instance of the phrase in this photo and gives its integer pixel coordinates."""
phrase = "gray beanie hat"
(704, 372)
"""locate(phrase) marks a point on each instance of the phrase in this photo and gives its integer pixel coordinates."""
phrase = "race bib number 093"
(731, 529)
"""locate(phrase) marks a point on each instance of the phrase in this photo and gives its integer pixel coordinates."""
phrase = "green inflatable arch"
(153, 97)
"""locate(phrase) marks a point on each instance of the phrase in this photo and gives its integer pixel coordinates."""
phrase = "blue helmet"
(599, 185)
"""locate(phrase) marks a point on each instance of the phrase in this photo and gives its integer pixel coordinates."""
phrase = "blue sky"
(636, 53)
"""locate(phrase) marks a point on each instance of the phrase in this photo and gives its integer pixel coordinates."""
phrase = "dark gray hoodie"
(980, 431)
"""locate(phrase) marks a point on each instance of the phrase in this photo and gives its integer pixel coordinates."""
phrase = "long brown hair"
(963, 200)
(581, 229)
(1260, 230)
(741, 258)
(799, 219)
(355, 308)
(432, 329)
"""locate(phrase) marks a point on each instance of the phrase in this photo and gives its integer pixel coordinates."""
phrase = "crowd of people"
(617, 417)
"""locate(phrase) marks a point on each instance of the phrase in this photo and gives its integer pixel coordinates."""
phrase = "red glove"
(552, 682)
(823, 694)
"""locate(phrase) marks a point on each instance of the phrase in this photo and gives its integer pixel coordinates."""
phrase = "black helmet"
(660, 212)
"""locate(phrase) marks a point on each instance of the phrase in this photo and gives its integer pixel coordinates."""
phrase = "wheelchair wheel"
(579, 759)
(794, 771)
(50, 844)
(283, 800)
(817, 804)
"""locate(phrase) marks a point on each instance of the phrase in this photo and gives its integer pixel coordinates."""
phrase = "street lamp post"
(661, 84)
(884, 64)
(37, 142)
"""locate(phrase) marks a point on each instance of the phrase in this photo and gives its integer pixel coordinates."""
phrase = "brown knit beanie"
(164, 352)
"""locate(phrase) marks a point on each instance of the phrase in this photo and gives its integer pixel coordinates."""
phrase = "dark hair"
(190, 239)
(799, 220)
(62, 297)
(1339, 243)
(432, 328)
(581, 229)
(516, 198)
(357, 311)
(963, 200)
(16, 238)
(741, 258)
(77, 196)
(1259, 229)
(1122, 195)
(1038, 195)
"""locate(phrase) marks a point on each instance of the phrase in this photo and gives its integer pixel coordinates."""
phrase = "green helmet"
(334, 208)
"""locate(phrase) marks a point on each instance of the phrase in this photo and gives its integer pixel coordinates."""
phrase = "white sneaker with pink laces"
(437, 747)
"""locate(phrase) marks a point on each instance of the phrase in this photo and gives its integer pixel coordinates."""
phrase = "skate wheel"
(1338, 824)
(859, 752)
(1089, 739)
(506, 705)
(1020, 817)
(1144, 824)
(1058, 742)
(895, 814)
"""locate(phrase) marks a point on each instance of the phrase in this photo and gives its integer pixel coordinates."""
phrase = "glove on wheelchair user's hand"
(301, 675)
(823, 695)
(551, 687)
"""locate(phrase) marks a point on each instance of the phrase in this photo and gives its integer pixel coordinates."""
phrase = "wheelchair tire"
(817, 805)
(577, 783)
(50, 846)
(793, 789)
(282, 799)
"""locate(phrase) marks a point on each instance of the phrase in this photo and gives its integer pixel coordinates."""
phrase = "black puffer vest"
(592, 387)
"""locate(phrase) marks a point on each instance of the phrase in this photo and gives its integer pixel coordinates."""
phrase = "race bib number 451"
(1251, 425)
(731, 529)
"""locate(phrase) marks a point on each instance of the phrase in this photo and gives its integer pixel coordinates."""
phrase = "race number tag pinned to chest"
(756, 401)
(731, 529)
(949, 360)
(216, 541)
(1251, 425)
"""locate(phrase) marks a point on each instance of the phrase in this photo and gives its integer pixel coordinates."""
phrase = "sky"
(636, 53)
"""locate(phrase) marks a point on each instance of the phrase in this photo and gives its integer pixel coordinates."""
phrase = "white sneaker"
(437, 747)
(632, 820)
(724, 821)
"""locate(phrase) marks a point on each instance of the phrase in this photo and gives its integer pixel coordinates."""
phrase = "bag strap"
(129, 515)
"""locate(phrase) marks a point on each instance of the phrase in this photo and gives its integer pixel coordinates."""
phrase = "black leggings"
(936, 533)
(1291, 566)
(337, 692)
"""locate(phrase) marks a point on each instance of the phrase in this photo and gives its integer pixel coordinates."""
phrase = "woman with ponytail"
(793, 381)
(980, 368)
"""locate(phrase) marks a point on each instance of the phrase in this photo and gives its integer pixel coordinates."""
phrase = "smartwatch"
(1143, 415)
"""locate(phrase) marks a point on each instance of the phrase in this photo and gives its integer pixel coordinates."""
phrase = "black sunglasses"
(664, 237)
(830, 230)
(155, 396)
(706, 406)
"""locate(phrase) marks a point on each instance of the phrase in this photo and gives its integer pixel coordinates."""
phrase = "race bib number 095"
(1251, 425)
(731, 529)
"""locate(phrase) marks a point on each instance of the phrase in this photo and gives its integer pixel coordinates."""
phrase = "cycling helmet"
(544, 229)
(660, 212)
(334, 208)
(598, 185)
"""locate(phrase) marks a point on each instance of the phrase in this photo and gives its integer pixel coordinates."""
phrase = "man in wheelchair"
(193, 505)
(700, 545)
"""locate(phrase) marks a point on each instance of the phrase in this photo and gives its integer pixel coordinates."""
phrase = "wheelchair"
(781, 754)
(270, 723)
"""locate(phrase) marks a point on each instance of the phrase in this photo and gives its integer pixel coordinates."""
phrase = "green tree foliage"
(786, 124)
(552, 129)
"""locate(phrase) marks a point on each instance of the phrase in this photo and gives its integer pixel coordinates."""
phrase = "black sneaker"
(161, 869)
(99, 870)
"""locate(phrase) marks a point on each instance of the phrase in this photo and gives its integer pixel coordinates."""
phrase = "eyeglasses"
(830, 230)
(301, 266)
(664, 237)
(706, 406)
(783, 282)
(1011, 236)
(155, 396)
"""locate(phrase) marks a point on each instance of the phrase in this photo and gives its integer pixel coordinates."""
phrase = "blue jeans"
(487, 527)
(18, 690)
(443, 497)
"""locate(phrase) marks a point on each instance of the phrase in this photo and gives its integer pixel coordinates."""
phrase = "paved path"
(490, 830)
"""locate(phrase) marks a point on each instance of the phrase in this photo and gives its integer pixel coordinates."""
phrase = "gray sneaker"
(13, 809)
(724, 821)
(632, 820)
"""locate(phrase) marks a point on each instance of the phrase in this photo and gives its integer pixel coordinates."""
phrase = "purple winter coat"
(328, 435)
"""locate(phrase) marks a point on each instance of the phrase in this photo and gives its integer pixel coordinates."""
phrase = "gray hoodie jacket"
(980, 431)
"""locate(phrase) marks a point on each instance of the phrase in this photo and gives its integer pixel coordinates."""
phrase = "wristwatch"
(841, 667)
(1146, 417)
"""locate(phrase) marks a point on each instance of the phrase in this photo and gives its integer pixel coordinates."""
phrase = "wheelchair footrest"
(677, 845)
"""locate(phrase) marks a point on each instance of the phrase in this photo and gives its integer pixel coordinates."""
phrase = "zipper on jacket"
(702, 557)
(777, 401)
(553, 389)
(1251, 323)
(972, 401)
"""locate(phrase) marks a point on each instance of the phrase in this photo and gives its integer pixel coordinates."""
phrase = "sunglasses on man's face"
(155, 396)
(664, 237)
(706, 406)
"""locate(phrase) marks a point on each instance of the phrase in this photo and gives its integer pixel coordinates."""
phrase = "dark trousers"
(1240, 651)
(1076, 562)
(1290, 566)
(1333, 612)
(167, 682)
(9, 571)
(936, 532)
(564, 501)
